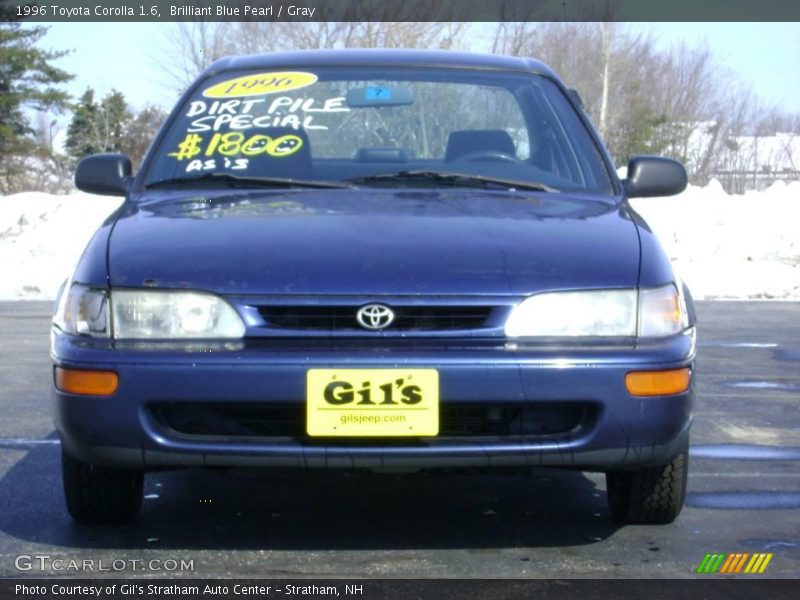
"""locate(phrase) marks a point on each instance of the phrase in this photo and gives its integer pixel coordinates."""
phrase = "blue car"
(379, 260)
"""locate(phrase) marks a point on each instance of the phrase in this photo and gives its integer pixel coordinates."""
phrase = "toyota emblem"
(375, 316)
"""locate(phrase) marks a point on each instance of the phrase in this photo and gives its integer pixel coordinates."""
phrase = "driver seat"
(467, 141)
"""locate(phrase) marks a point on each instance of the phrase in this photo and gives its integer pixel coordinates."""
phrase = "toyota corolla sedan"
(379, 260)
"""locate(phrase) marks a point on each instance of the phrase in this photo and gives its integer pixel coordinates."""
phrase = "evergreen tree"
(141, 131)
(115, 121)
(27, 80)
(98, 126)
(642, 131)
(81, 132)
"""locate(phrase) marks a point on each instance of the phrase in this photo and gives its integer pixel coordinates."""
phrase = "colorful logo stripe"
(758, 564)
(734, 563)
(710, 563)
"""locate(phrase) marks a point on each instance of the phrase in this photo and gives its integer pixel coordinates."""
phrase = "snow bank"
(727, 246)
(722, 246)
(42, 237)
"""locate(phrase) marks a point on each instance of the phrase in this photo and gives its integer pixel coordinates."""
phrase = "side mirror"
(654, 176)
(106, 174)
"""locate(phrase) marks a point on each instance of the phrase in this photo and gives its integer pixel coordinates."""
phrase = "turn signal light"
(86, 383)
(658, 383)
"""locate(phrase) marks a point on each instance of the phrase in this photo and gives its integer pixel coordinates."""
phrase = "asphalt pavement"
(744, 490)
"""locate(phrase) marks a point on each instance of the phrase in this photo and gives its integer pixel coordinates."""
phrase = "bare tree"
(643, 99)
(512, 38)
(193, 46)
(606, 37)
(47, 169)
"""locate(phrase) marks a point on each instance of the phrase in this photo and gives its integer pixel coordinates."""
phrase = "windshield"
(338, 124)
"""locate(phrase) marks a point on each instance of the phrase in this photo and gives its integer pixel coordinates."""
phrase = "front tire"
(97, 494)
(649, 496)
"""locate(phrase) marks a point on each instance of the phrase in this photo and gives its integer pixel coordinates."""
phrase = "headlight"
(151, 314)
(84, 311)
(662, 311)
(609, 313)
(603, 313)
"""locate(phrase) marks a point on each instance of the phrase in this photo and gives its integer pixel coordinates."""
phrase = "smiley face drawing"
(278, 147)
(285, 145)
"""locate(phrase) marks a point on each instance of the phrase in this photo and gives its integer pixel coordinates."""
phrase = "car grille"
(542, 420)
(407, 318)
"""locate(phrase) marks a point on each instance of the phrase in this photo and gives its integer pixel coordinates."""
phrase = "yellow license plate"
(372, 402)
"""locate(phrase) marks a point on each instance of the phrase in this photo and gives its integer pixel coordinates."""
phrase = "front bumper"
(623, 431)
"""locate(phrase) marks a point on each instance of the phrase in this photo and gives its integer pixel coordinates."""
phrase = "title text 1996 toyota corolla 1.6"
(375, 259)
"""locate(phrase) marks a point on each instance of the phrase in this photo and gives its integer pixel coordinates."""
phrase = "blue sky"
(126, 56)
(765, 54)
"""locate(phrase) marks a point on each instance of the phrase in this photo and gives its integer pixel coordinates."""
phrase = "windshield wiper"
(249, 181)
(451, 178)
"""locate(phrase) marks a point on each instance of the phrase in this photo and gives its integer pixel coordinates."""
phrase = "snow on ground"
(41, 238)
(723, 246)
(731, 246)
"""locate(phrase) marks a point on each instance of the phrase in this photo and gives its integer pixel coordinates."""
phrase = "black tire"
(650, 496)
(96, 494)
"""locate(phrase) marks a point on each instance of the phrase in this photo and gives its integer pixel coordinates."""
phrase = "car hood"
(374, 242)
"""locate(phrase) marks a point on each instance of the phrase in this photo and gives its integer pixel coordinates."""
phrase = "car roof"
(389, 57)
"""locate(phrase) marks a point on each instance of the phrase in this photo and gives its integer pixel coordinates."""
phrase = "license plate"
(372, 402)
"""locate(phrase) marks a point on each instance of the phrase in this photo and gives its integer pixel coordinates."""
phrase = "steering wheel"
(492, 155)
